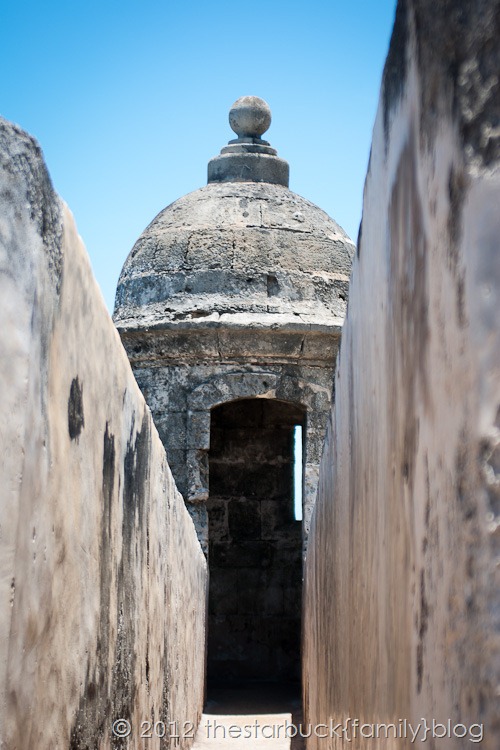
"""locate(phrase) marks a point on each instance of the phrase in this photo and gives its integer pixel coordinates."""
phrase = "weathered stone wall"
(402, 576)
(102, 579)
(181, 397)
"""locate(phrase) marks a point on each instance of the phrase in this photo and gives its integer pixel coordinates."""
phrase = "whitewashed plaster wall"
(102, 579)
(402, 603)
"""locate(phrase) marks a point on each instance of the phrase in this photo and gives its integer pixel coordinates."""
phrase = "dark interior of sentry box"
(255, 544)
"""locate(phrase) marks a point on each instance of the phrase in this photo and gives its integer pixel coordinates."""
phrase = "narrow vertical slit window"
(297, 472)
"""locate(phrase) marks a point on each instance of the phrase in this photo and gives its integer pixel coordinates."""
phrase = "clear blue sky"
(129, 100)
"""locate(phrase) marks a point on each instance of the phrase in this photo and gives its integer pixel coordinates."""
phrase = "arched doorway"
(255, 542)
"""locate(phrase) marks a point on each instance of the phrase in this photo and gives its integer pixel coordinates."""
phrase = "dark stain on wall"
(458, 58)
(94, 717)
(395, 70)
(408, 321)
(360, 230)
(353, 467)
(106, 567)
(134, 532)
(457, 184)
(108, 690)
(422, 630)
(457, 190)
(407, 343)
(464, 474)
(76, 420)
(135, 478)
(460, 296)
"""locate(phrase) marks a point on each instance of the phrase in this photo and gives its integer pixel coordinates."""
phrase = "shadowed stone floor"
(253, 716)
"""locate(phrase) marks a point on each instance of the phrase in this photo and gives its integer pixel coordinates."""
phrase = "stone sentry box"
(235, 291)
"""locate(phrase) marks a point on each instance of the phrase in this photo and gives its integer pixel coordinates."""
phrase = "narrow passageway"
(255, 559)
(259, 715)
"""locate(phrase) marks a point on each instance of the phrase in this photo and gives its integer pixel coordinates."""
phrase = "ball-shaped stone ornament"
(250, 117)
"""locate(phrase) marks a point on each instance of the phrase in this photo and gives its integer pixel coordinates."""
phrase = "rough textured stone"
(235, 248)
(248, 158)
(402, 576)
(102, 580)
(194, 389)
(250, 116)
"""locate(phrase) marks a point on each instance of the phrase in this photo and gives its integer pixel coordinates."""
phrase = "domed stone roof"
(242, 251)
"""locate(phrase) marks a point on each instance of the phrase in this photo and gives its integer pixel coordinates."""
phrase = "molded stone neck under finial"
(248, 158)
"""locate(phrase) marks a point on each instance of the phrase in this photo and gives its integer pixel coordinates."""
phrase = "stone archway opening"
(255, 542)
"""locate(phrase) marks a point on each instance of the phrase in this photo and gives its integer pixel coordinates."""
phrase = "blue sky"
(129, 100)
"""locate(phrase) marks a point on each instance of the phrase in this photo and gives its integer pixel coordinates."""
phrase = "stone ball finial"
(250, 117)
